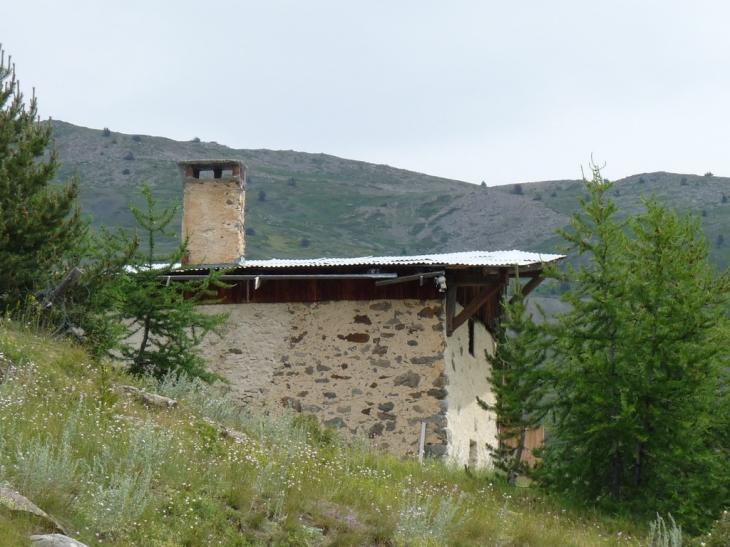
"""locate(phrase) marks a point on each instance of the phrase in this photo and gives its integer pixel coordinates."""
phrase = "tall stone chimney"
(214, 194)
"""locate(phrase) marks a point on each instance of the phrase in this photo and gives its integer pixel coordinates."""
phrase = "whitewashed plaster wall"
(470, 427)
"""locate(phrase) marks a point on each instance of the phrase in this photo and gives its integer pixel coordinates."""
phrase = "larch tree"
(40, 223)
(586, 373)
(165, 325)
(676, 345)
(637, 366)
(518, 384)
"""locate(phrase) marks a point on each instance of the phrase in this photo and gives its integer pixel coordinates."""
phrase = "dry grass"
(117, 473)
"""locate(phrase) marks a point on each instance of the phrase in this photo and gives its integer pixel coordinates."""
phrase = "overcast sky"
(498, 91)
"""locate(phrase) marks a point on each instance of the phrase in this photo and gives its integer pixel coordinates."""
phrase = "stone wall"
(213, 219)
(375, 368)
(369, 368)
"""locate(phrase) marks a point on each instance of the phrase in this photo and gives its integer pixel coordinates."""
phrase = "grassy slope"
(695, 194)
(350, 208)
(343, 207)
(117, 473)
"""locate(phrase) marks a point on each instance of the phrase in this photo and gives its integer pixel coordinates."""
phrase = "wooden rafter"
(470, 309)
(530, 286)
(450, 307)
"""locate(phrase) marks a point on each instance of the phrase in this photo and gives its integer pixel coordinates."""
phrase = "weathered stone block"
(430, 361)
(376, 430)
(437, 393)
(409, 379)
(355, 337)
(335, 422)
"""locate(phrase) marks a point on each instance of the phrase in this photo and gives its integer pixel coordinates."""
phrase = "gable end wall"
(374, 368)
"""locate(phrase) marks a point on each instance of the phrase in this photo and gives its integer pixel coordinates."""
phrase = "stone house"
(375, 346)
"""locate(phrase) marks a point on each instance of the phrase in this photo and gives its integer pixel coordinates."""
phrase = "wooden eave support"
(492, 281)
(474, 305)
(525, 270)
(530, 286)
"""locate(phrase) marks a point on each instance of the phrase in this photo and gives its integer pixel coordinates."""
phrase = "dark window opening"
(471, 337)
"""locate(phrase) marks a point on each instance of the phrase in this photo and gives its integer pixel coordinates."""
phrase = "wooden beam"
(414, 277)
(524, 271)
(536, 267)
(530, 286)
(450, 307)
(475, 280)
(473, 306)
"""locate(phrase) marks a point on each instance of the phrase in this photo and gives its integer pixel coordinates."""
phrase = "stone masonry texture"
(372, 368)
(213, 219)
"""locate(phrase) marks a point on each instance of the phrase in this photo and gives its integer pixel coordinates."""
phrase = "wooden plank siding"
(317, 290)
(311, 290)
(534, 438)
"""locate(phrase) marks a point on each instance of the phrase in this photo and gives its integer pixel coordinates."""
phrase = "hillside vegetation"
(353, 208)
(112, 471)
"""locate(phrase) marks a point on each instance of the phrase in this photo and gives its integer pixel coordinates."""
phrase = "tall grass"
(120, 474)
(661, 535)
(424, 520)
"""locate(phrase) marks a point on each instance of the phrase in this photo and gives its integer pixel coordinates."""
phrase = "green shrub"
(719, 535)
(661, 536)
(43, 469)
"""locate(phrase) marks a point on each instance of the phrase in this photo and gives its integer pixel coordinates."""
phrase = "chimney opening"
(215, 173)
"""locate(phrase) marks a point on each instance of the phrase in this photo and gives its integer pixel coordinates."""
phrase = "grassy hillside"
(113, 471)
(706, 196)
(342, 207)
(352, 208)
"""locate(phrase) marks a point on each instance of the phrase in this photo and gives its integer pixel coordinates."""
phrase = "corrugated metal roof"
(468, 258)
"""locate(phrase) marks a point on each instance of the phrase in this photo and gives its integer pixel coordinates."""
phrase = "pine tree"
(39, 223)
(639, 409)
(675, 337)
(166, 326)
(517, 383)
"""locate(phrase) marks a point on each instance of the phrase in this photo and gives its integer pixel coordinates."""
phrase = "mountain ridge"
(306, 205)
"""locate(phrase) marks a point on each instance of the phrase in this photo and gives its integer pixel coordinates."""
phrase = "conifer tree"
(676, 339)
(165, 325)
(518, 384)
(636, 367)
(587, 373)
(39, 223)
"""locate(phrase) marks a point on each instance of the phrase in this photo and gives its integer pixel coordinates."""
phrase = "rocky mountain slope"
(311, 205)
